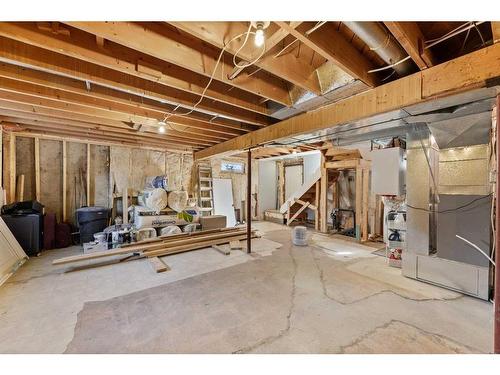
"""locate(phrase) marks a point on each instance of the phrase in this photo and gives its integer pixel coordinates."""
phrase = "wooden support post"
(249, 201)
(496, 298)
(364, 218)
(37, 169)
(323, 211)
(12, 168)
(64, 177)
(316, 203)
(88, 198)
(359, 201)
(1, 160)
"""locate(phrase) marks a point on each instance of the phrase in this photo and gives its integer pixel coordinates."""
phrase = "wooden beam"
(280, 34)
(37, 169)
(288, 67)
(61, 53)
(467, 72)
(409, 35)
(147, 37)
(332, 45)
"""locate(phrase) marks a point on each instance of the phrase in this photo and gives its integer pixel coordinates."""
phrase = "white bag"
(177, 200)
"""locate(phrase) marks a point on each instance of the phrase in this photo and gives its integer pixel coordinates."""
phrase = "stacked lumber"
(166, 245)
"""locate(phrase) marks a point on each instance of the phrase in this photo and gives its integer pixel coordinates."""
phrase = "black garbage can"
(91, 220)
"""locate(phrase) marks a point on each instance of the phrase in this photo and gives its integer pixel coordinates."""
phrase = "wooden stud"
(365, 204)
(1, 160)
(64, 178)
(37, 169)
(12, 168)
(316, 202)
(323, 198)
(89, 195)
(125, 205)
(359, 201)
(20, 188)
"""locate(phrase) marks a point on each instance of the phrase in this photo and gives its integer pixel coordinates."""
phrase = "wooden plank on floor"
(221, 250)
(158, 265)
(235, 245)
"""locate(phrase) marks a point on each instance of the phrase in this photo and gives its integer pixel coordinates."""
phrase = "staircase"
(205, 190)
(307, 196)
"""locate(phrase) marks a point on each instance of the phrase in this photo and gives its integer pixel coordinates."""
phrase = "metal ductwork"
(382, 43)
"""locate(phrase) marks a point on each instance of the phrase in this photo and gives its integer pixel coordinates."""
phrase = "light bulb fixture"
(162, 127)
(259, 37)
(260, 26)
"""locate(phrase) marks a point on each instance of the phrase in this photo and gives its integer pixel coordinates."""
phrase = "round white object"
(299, 236)
(177, 200)
(170, 230)
(156, 199)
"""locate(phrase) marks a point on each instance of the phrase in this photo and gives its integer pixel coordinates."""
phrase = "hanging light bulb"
(259, 37)
(162, 127)
(259, 26)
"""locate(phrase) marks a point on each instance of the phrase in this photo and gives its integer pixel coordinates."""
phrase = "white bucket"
(299, 236)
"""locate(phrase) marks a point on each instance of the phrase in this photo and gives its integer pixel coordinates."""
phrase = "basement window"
(232, 167)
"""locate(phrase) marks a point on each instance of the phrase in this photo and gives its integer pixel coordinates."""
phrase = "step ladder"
(205, 190)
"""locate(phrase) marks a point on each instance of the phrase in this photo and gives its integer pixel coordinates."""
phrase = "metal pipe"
(380, 41)
(496, 297)
(249, 201)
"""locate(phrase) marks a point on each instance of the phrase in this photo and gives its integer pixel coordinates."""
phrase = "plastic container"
(299, 236)
(91, 220)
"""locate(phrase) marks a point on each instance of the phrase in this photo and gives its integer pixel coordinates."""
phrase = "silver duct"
(380, 41)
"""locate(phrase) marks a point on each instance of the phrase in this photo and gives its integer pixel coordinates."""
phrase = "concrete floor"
(333, 296)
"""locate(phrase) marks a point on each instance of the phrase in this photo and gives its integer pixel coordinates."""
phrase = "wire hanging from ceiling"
(212, 76)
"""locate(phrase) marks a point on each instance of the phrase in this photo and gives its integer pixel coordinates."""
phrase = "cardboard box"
(213, 222)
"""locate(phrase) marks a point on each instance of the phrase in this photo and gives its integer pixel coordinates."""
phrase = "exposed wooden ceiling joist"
(91, 132)
(118, 59)
(466, 72)
(330, 44)
(287, 66)
(155, 40)
(409, 35)
(95, 93)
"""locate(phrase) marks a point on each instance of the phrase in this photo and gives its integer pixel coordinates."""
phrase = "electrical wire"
(477, 248)
(212, 76)
(451, 209)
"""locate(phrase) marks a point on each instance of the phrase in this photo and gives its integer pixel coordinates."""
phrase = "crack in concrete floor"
(283, 332)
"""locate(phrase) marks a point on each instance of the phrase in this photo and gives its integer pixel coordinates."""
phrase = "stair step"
(205, 178)
(205, 188)
(206, 198)
(205, 209)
